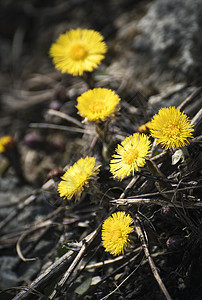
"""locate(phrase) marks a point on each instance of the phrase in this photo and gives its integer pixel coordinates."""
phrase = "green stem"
(88, 77)
(108, 142)
(14, 158)
(161, 186)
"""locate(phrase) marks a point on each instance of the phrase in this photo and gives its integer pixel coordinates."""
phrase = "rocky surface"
(162, 44)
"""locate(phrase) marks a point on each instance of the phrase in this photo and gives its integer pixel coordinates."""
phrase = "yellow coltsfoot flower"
(98, 104)
(77, 177)
(131, 155)
(171, 128)
(6, 142)
(145, 128)
(77, 51)
(115, 232)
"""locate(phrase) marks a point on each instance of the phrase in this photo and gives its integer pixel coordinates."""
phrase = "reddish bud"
(55, 174)
(34, 141)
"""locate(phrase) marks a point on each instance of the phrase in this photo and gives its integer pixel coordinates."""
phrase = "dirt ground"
(50, 248)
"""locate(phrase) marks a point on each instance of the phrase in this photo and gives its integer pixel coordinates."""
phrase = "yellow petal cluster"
(98, 104)
(77, 177)
(6, 142)
(130, 155)
(78, 50)
(115, 232)
(171, 128)
(145, 128)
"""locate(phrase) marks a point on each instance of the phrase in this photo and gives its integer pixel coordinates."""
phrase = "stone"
(165, 45)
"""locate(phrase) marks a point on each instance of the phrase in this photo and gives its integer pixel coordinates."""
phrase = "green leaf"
(82, 288)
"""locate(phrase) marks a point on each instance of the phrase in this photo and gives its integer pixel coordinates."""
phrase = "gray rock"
(9, 278)
(170, 34)
(163, 46)
(174, 96)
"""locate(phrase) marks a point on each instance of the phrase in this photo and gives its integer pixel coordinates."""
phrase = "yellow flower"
(145, 128)
(115, 231)
(131, 155)
(98, 104)
(6, 142)
(76, 177)
(171, 128)
(77, 51)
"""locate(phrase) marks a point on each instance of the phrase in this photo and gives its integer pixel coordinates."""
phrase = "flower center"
(78, 52)
(97, 106)
(130, 156)
(116, 235)
(172, 129)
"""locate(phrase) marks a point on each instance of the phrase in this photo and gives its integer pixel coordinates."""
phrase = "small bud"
(6, 142)
(166, 211)
(175, 242)
(55, 174)
(167, 214)
(55, 104)
(145, 128)
(60, 95)
(34, 141)
(9, 148)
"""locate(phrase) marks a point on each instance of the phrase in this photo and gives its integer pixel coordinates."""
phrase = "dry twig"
(150, 260)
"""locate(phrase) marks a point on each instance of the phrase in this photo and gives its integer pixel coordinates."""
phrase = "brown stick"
(46, 277)
(190, 98)
(86, 242)
(150, 260)
(64, 116)
(160, 202)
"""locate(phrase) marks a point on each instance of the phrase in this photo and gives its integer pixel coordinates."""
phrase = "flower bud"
(55, 104)
(6, 142)
(175, 242)
(55, 174)
(9, 148)
(34, 141)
